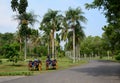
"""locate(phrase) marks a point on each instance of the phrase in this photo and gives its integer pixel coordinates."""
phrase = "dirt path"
(94, 72)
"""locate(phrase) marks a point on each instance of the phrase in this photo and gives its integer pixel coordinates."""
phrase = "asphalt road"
(94, 72)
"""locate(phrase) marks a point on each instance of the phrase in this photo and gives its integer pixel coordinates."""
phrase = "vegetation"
(112, 30)
(56, 27)
(21, 68)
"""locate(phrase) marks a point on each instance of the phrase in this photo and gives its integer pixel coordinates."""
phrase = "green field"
(20, 68)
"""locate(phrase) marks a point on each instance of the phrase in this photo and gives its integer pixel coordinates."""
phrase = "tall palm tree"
(46, 27)
(74, 17)
(53, 20)
(25, 20)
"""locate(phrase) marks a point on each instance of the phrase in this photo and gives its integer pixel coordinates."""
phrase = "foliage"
(74, 17)
(40, 51)
(92, 46)
(0, 61)
(19, 6)
(51, 23)
(117, 57)
(14, 5)
(11, 52)
(22, 6)
(111, 10)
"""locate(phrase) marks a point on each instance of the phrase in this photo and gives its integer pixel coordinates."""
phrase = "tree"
(53, 19)
(20, 7)
(92, 46)
(73, 18)
(111, 36)
(111, 10)
(11, 51)
(24, 20)
(46, 27)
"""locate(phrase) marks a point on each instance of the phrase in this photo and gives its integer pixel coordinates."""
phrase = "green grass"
(21, 68)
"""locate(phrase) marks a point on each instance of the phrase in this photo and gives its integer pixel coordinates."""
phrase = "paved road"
(94, 72)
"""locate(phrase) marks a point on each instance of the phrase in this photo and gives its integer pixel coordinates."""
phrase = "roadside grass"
(21, 69)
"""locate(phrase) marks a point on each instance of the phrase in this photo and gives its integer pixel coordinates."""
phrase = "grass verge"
(21, 69)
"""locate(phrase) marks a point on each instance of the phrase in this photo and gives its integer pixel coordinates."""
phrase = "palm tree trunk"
(73, 45)
(78, 49)
(108, 53)
(20, 45)
(48, 49)
(25, 48)
(53, 44)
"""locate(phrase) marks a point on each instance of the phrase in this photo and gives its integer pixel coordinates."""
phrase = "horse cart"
(35, 65)
(51, 64)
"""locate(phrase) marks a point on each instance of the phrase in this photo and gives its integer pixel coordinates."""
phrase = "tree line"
(57, 27)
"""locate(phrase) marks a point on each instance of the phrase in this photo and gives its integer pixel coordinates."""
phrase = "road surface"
(96, 71)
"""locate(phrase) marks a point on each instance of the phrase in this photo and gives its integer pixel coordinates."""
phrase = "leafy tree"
(11, 51)
(111, 10)
(92, 46)
(111, 36)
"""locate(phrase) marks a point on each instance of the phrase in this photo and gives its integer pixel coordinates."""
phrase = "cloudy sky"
(96, 19)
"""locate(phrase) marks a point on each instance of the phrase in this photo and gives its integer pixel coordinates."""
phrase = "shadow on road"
(100, 70)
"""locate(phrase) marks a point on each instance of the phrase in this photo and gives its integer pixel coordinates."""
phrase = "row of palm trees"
(68, 25)
(53, 22)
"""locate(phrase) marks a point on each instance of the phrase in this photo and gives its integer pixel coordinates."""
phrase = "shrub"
(117, 57)
(0, 61)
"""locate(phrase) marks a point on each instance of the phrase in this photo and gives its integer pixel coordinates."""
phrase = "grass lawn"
(21, 68)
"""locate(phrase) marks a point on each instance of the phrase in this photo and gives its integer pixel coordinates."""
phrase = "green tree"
(111, 10)
(25, 19)
(11, 51)
(53, 18)
(20, 7)
(73, 18)
(46, 27)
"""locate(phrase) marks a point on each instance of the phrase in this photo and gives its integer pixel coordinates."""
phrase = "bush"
(0, 61)
(117, 57)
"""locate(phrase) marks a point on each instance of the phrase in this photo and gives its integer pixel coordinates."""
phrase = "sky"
(93, 27)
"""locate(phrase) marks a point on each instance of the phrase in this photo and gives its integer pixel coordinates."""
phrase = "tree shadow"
(101, 70)
(15, 65)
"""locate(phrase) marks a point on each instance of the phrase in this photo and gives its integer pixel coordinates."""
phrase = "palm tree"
(53, 20)
(46, 27)
(74, 17)
(25, 19)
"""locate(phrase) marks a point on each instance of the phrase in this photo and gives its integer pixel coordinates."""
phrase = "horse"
(30, 65)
